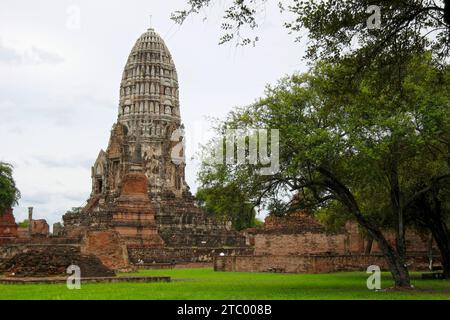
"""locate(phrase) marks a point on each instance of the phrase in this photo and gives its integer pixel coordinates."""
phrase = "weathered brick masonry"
(299, 243)
(8, 226)
(312, 263)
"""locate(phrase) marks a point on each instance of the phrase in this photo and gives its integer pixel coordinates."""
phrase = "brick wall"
(296, 244)
(311, 264)
(40, 228)
(299, 242)
(8, 251)
(415, 242)
(180, 255)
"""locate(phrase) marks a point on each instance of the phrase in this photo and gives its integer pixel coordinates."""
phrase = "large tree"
(340, 31)
(350, 143)
(9, 194)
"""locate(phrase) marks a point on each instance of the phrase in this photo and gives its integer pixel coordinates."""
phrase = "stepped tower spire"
(148, 115)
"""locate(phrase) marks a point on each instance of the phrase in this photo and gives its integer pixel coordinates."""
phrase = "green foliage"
(367, 131)
(355, 126)
(259, 223)
(337, 28)
(24, 224)
(333, 217)
(9, 194)
(227, 202)
(74, 210)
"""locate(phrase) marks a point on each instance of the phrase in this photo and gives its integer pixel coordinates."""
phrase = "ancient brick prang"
(149, 111)
(138, 183)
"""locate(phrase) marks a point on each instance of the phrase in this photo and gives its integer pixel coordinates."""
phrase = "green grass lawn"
(207, 284)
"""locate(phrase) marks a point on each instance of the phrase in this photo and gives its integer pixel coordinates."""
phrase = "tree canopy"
(9, 194)
(227, 202)
(366, 131)
(339, 28)
(354, 144)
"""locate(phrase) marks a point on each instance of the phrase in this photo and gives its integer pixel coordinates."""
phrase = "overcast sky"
(60, 84)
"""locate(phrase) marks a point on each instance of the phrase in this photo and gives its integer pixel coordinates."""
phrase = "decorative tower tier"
(149, 89)
(149, 110)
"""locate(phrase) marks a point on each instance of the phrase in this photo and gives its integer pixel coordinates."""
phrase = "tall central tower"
(148, 118)
(138, 183)
(149, 88)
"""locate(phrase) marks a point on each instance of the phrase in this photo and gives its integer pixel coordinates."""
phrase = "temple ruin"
(140, 212)
(299, 243)
(138, 183)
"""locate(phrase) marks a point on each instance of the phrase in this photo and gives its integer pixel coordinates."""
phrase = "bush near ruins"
(227, 202)
(24, 224)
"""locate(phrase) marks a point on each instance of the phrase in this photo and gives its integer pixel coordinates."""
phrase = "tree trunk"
(369, 245)
(394, 260)
(429, 209)
(440, 232)
(447, 12)
(397, 209)
(441, 235)
(430, 251)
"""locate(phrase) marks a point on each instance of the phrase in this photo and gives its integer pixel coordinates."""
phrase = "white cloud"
(30, 56)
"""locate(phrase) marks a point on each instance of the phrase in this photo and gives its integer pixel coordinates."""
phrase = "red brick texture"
(134, 183)
(8, 226)
(108, 247)
(40, 228)
(310, 264)
(296, 244)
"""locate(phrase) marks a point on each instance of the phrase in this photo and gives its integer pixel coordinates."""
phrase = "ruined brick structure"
(138, 183)
(108, 247)
(53, 261)
(297, 234)
(299, 243)
(8, 226)
(39, 228)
